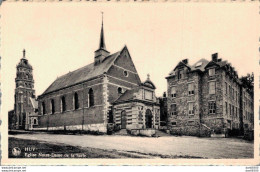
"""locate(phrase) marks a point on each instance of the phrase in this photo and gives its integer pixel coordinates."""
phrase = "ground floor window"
(191, 108)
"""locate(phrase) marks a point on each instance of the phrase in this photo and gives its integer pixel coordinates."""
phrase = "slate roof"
(203, 62)
(82, 74)
(127, 95)
(34, 103)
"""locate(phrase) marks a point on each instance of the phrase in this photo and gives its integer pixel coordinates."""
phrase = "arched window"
(91, 97)
(43, 108)
(52, 106)
(76, 101)
(35, 121)
(63, 104)
(119, 90)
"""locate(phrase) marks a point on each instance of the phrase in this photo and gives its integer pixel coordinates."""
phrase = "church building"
(107, 91)
(24, 115)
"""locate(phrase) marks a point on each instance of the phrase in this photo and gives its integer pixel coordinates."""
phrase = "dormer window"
(212, 72)
(180, 74)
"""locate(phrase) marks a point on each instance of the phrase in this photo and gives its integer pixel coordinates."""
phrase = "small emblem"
(16, 151)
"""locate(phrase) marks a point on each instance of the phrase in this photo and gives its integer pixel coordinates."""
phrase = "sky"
(62, 37)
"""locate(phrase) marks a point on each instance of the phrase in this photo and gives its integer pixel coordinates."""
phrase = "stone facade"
(205, 96)
(137, 108)
(24, 96)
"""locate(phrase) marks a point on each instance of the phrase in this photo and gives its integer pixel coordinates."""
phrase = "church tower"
(24, 90)
(101, 53)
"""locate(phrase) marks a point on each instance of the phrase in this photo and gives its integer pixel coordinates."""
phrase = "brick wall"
(86, 115)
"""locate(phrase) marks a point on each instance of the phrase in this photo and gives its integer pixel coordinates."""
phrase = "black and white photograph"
(160, 83)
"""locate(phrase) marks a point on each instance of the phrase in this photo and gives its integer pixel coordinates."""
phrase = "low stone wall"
(101, 128)
(187, 131)
(200, 131)
(142, 132)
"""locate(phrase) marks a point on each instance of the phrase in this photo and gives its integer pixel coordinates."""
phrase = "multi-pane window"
(173, 109)
(173, 91)
(212, 87)
(212, 107)
(212, 72)
(191, 108)
(191, 88)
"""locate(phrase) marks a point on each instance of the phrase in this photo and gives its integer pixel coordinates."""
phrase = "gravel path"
(216, 148)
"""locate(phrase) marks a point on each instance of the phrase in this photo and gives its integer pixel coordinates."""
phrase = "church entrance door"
(123, 119)
(148, 118)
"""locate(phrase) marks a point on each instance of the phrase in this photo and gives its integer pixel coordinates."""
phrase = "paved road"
(171, 145)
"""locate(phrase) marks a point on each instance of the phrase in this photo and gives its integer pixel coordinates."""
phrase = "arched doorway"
(123, 119)
(148, 118)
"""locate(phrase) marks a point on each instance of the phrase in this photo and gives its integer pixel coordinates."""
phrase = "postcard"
(129, 83)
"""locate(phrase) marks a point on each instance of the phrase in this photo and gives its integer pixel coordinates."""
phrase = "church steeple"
(102, 44)
(102, 52)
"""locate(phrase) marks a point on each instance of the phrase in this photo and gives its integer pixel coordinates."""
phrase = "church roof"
(24, 62)
(148, 83)
(82, 74)
(34, 103)
(127, 95)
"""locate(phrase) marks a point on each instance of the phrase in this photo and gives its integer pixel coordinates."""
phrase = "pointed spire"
(24, 53)
(102, 44)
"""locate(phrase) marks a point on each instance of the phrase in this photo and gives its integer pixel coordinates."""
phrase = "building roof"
(34, 103)
(102, 44)
(200, 65)
(82, 74)
(127, 95)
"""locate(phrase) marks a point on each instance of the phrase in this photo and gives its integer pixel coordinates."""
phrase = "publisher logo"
(16, 151)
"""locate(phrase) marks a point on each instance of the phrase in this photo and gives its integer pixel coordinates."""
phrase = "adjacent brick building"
(206, 97)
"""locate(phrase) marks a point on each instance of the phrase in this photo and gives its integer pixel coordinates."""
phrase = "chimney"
(185, 61)
(215, 57)
(164, 94)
